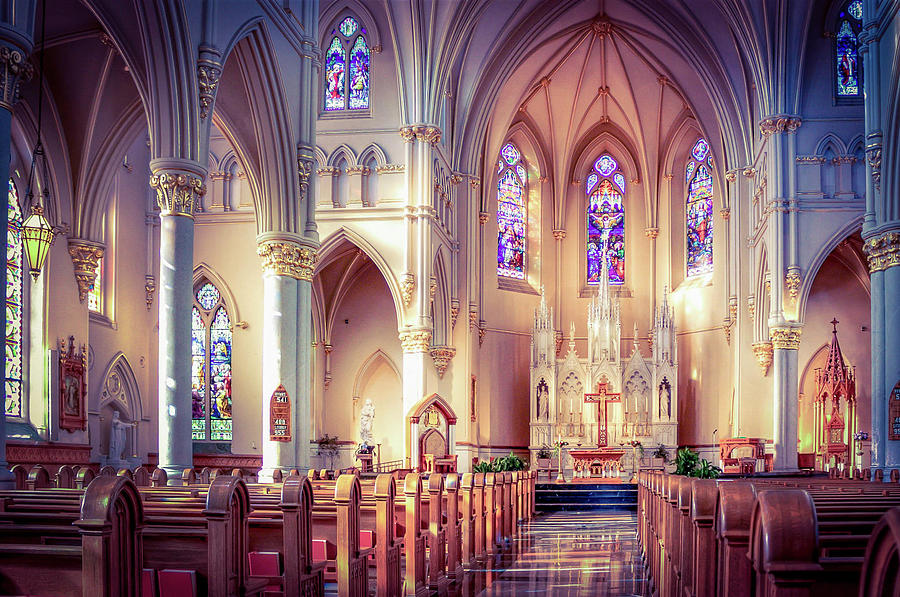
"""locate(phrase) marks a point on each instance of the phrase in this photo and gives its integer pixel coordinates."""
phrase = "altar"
(608, 460)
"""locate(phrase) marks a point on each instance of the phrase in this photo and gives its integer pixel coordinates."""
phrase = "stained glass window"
(210, 366)
(511, 215)
(95, 294)
(335, 67)
(689, 171)
(14, 305)
(847, 64)
(359, 74)
(347, 74)
(606, 222)
(699, 217)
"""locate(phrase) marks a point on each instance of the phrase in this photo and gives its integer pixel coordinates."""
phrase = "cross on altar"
(604, 397)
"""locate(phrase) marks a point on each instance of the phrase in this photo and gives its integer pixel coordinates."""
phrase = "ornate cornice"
(763, 352)
(407, 287)
(209, 69)
(442, 355)
(415, 340)
(883, 251)
(810, 159)
(85, 259)
(328, 171)
(178, 192)
(390, 168)
(358, 171)
(14, 67)
(780, 123)
(285, 258)
(787, 338)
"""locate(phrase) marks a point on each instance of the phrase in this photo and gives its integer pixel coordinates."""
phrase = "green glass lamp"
(38, 235)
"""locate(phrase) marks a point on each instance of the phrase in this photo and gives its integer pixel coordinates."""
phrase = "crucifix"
(604, 397)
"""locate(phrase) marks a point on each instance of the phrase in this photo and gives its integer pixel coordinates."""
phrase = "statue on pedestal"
(117, 429)
(366, 418)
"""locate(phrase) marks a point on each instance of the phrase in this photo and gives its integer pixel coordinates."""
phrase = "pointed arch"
(439, 402)
(342, 151)
(763, 304)
(374, 151)
(336, 13)
(120, 387)
(831, 140)
(203, 270)
(321, 160)
(440, 308)
(369, 366)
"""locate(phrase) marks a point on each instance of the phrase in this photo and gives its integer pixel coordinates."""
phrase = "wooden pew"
(881, 568)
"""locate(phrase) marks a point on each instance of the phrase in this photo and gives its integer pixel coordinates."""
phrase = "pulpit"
(741, 455)
(440, 464)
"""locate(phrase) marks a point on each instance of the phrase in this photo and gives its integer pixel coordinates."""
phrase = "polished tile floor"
(564, 554)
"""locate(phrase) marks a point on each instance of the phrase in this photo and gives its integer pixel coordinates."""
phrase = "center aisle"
(569, 554)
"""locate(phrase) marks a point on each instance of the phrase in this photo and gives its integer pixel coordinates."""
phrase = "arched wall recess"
(370, 365)
(120, 388)
(202, 270)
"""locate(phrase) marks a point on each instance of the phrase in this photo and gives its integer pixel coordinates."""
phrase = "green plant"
(500, 465)
(545, 452)
(707, 470)
(328, 447)
(640, 448)
(686, 460)
(482, 466)
(661, 452)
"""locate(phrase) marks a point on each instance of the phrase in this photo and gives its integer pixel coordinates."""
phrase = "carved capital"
(390, 168)
(786, 338)
(408, 134)
(559, 234)
(442, 355)
(305, 160)
(726, 327)
(149, 290)
(763, 353)
(651, 232)
(209, 69)
(407, 288)
(284, 258)
(415, 340)
(428, 134)
(751, 306)
(432, 288)
(873, 158)
(725, 213)
(483, 217)
(14, 67)
(731, 175)
(85, 259)
(474, 183)
(780, 123)
(473, 317)
(482, 332)
(178, 192)
(792, 282)
(883, 251)
(454, 312)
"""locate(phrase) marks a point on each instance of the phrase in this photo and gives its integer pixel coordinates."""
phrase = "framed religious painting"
(72, 385)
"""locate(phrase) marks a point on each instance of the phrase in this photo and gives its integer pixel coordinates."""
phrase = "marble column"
(883, 252)
(785, 342)
(179, 186)
(415, 344)
(14, 67)
(288, 262)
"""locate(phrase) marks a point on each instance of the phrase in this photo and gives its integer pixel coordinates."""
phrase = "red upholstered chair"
(326, 551)
(177, 583)
(148, 583)
(267, 565)
(367, 541)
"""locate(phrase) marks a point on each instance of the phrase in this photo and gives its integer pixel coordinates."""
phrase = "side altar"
(601, 402)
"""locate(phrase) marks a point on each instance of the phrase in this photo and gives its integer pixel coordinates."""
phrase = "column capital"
(763, 352)
(779, 123)
(883, 250)
(178, 190)
(559, 233)
(86, 257)
(652, 232)
(14, 67)
(283, 255)
(785, 338)
(442, 355)
(416, 340)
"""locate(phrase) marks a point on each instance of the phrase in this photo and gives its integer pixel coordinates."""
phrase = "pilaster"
(785, 344)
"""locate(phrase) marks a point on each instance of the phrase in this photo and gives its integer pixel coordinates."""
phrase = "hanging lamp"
(37, 232)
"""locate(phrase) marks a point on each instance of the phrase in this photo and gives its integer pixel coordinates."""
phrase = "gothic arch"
(439, 403)
(321, 160)
(833, 141)
(441, 304)
(120, 388)
(819, 258)
(346, 8)
(375, 152)
(369, 366)
(343, 151)
(201, 271)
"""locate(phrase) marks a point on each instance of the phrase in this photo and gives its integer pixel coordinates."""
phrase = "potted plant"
(328, 447)
(544, 456)
(660, 456)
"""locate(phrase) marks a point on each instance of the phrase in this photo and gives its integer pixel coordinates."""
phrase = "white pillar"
(288, 263)
(786, 342)
(179, 186)
(415, 344)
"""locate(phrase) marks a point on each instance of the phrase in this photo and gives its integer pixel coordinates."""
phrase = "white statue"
(366, 417)
(117, 429)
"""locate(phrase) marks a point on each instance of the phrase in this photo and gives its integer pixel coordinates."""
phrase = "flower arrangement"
(861, 436)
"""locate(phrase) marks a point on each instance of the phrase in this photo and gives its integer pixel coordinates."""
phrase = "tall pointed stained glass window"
(95, 294)
(511, 214)
(210, 365)
(605, 188)
(346, 84)
(14, 304)
(848, 71)
(699, 211)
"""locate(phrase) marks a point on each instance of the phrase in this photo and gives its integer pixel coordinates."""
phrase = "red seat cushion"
(177, 583)
(366, 539)
(323, 550)
(264, 563)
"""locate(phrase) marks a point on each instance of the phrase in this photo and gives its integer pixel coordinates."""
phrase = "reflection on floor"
(564, 554)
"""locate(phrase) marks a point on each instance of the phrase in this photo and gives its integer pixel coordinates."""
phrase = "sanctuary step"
(550, 497)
